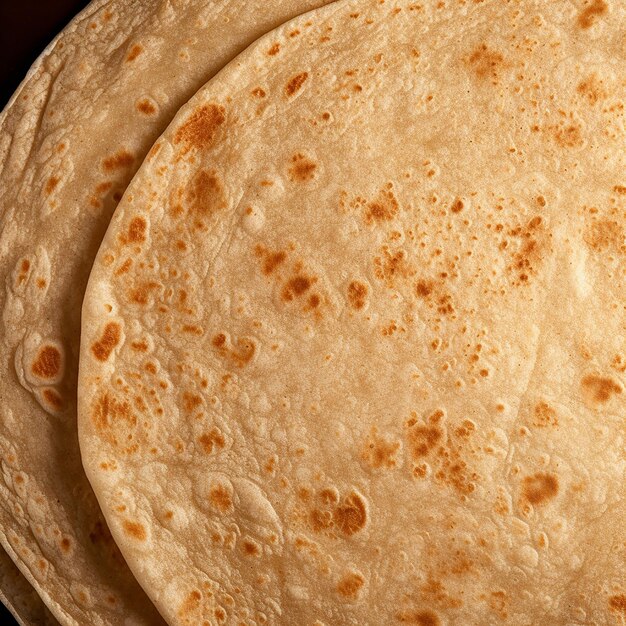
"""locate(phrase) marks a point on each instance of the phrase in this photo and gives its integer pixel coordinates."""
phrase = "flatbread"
(19, 597)
(353, 346)
(70, 140)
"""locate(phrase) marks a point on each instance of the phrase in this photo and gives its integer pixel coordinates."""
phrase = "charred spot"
(200, 129)
(540, 488)
(135, 530)
(48, 363)
(350, 585)
(599, 389)
(295, 84)
(357, 294)
(111, 336)
(302, 168)
(593, 9)
(121, 160)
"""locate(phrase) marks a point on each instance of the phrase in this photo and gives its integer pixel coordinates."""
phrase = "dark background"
(26, 28)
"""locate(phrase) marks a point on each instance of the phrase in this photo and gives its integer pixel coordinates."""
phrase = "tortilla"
(353, 346)
(20, 598)
(70, 140)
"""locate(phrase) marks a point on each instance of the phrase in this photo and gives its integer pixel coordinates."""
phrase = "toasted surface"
(364, 361)
(70, 141)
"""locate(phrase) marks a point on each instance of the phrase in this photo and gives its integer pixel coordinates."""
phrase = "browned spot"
(378, 452)
(41, 283)
(192, 329)
(423, 288)
(191, 401)
(48, 363)
(124, 267)
(240, 353)
(103, 187)
(357, 294)
(53, 181)
(136, 230)
(271, 260)
(121, 160)
(498, 603)
(250, 548)
(111, 336)
(382, 209)
(591, 11)
(296, 83)
(605, 235)
(321, 520)
(592, 89)
(391, 266)
(66, 544)
(618, 603)
(302, 168)
(457, 206)
(544, 415)
(275, 49)
(531, 248)
(567, 135)
(200, 129)
(599, 389)
(135, 51)
(540, 487)
(141, 293)
(53, 399)
(296, 286)
(350, 585)
(220, 498)
(350, 516)
(135, 529)
(486, 63)
(420, 617)
(423, 439)
(140, 346)
(258, 92)
(621, 189)
(212, 439)
(190, 605)
(146, 107)
(205, 194)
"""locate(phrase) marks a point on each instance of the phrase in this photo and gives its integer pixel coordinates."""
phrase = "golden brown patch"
(111, 336)
(146, 107)
(618, 603)
(350, 585)
(190, 605)
(423, 288)
(240, 353)
(378, 452)
(620, 189)
(605, 235)
(200, 130)
(51, 184)
(250, 548)
(532, 244)
(357, 294)
(498, 603)
(486, 63)
(53, 399)
(205, 195)
(118, 161)
(567, 135)
(220, 498)
(275, 49)
(48, 363)
(351, 516)
(110, 415)
(592, 11)
(140, 346)
(592, 89)
(391, 266)
(135, 529)
(66, 544)
(302, 168)
(135, 51)
(382, 209)
(136, 230)
(295, 84)
(544, 415)
(539, 488)
(258, 92)
(422, 439)
(191, 402)
(212, 439)
(297, 286)
(457, 206)
(599, 389)
(141, 293)
(421, 618)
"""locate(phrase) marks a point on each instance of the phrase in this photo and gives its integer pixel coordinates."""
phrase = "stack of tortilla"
(336, 337)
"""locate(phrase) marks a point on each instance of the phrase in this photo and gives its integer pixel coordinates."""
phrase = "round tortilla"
(353, 346)
(70, 140)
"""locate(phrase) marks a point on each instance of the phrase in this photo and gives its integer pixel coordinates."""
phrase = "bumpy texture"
(353, 346)
(19, 596)
(70, 140)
